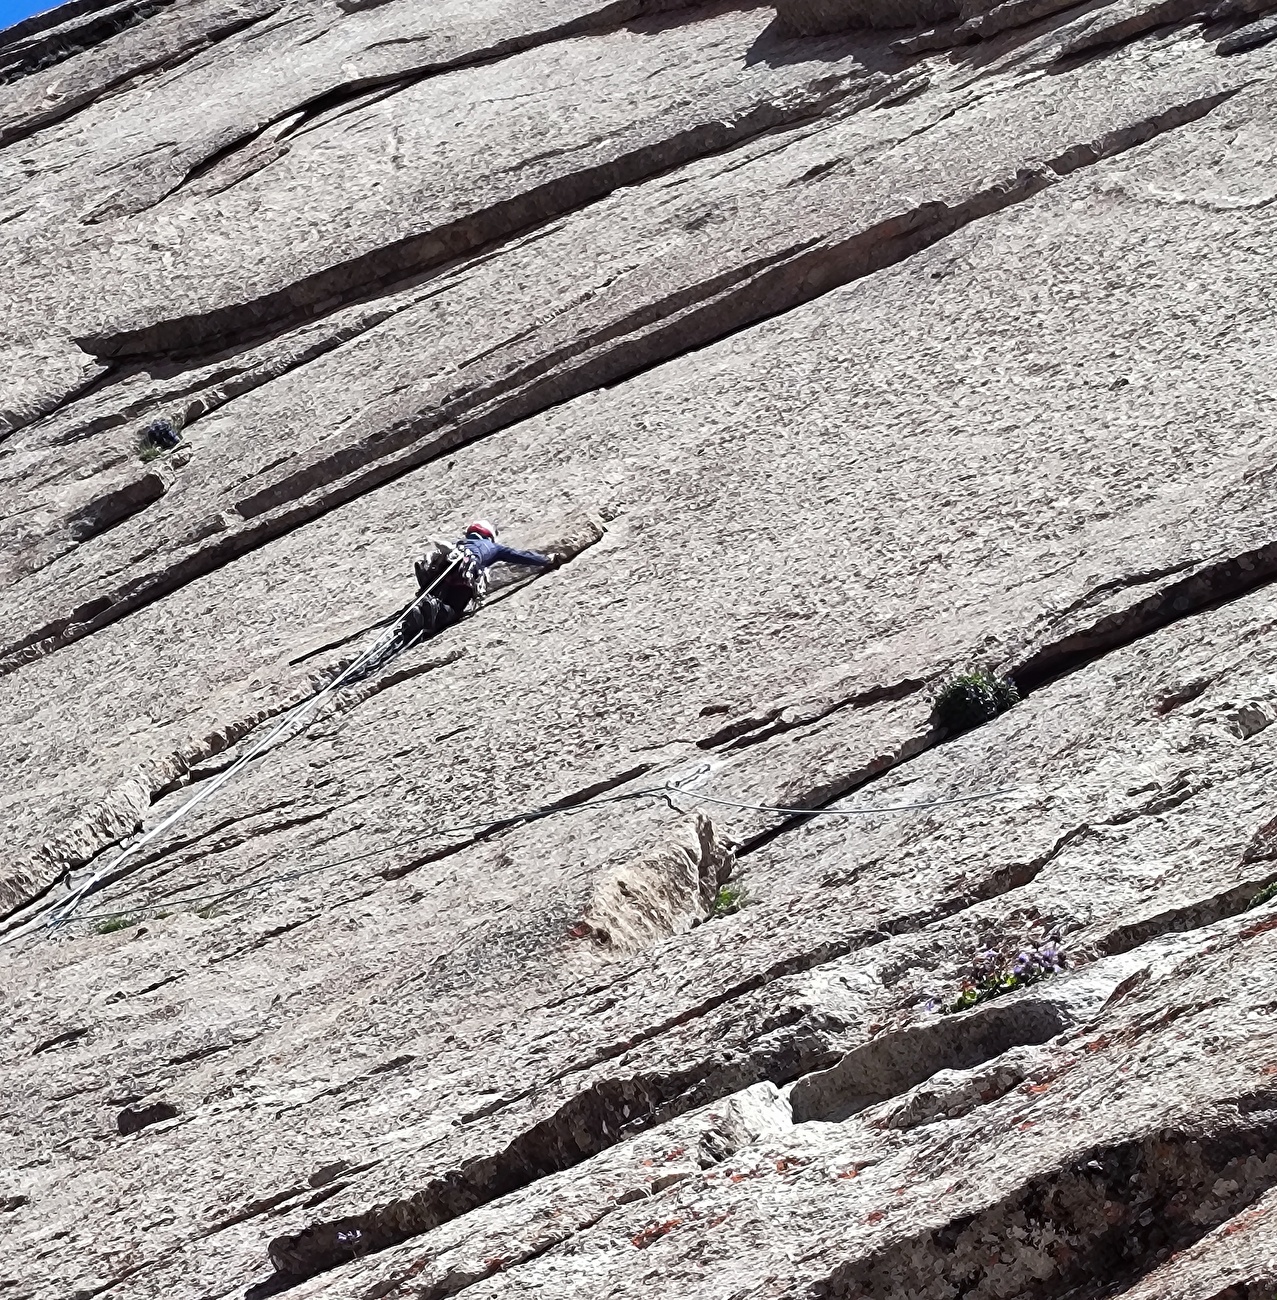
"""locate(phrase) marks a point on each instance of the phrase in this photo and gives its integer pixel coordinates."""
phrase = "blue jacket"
(487, 553)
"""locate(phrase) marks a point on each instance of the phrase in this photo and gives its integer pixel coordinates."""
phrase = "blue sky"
(12, 10)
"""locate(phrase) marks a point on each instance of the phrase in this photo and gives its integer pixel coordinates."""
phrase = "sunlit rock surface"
(837, 349)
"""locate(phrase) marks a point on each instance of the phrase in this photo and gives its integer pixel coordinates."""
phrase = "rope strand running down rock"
(293, 720)
(846, 812)
(667, 791)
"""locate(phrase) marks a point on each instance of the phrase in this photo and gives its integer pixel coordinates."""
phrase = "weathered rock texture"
(834, 360)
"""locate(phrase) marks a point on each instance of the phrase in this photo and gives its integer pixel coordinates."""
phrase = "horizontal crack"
(1190, 916)
(1121, 1207)
(262, 1205)
(1209, 584)
(58, 1040)
(393, 452)
(888, 1066)
(577, 799)
(756, 728)
(374, 271)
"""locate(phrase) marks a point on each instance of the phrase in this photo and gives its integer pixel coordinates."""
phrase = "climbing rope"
(847, 812)
(294, 720)
(483, 827)
(668, 790)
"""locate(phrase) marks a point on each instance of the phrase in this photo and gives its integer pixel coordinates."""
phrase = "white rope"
(294, 718)
(674, 786)
(841, 812)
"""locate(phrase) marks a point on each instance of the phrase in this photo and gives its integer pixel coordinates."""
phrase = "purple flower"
(985, 963)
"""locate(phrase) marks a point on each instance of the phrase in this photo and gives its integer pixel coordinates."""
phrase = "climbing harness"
(472, 574)
(387, 645)
(466, 586)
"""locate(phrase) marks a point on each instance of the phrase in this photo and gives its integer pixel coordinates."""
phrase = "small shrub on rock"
(971, 698)
(729, 899)
(1265, 895)
(114, 923)
(991, 975)
(158, 437)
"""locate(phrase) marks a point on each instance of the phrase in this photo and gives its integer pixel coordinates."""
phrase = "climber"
(452, 578)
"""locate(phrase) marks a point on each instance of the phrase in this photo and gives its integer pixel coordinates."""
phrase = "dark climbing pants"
(428, 617)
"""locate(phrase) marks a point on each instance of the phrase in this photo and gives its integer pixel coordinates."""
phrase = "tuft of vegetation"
(158, 437)
(729, 899)
(1265, 895)
(114, 923)
(992, 974)
(973, 697)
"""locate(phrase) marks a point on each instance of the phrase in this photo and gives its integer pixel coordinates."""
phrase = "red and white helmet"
(482, 527)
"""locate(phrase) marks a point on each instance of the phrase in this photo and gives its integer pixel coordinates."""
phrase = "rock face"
(643, 933)
(819, 17)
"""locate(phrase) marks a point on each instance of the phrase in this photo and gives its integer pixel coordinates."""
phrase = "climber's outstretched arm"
(533, 559)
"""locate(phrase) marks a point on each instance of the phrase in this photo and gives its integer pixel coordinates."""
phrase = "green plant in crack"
(992, 974)
(973, 697)
(113, 923)
(110, 924)
(730, 898)
(1265, 895)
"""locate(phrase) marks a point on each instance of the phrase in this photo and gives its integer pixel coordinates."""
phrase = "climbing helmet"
(482, 528)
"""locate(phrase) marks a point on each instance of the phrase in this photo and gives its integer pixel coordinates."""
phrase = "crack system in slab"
(356, 92)
(1208, 585)
(539, 1153)
(1108, 1215)
(758, 293)
(831, 1085)
(381, 268)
